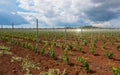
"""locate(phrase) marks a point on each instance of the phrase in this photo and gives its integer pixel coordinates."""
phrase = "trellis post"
(37, 40)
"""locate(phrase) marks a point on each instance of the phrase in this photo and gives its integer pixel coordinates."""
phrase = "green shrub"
(62, 46)
(104, 46)
(85, 63)
(118, 47)
(80, 48)
(115, 71)
(16, 42)
(53, 43)
(94, 44)
(34, 48)
(70, 46)
(51, 52)
(65, 56)
(66, 59)
(42, 51)
(109, 54)
(92, 50)
(85, 42)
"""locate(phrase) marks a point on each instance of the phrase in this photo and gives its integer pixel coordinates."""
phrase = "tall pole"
(81, 36)
(91, 35)
(2, 31)
(37, 41)
(53, 39)
(65, 35)
(12, 34)
(112, 30)
(99, 33)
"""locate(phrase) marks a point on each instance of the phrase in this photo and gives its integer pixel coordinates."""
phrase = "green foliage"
(85, 42)
(85, 63)
(94, 44)
(53, 43)
(27, 45)
(66, 59)
(70, 46)
(16, 42)
(34, 48)
(42, 51)
(109, 54)
(65, 56)
(86, 66)
(7, 39)
(118, 47)
(115, 71)
(51, 52)
(80, 48)
(104, 46)
(82, 60)
(92, 49)
(4, 47)
(62, 45)
(65, 52)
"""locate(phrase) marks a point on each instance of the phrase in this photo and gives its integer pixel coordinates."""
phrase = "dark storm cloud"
(108, 10)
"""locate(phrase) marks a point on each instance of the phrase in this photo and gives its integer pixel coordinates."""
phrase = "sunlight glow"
(78, 30)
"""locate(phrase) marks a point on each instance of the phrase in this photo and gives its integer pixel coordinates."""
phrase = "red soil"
(99, 63)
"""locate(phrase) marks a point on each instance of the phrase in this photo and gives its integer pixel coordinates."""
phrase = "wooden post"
(37, 40)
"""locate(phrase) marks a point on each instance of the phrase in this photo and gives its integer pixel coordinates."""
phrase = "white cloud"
(51, 11)
(115, 23)
(103, 24)
(62, 12)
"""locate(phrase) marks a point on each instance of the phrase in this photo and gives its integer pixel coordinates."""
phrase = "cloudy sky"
(58, 13)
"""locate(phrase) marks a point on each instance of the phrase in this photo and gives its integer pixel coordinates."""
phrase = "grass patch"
(5, 50)
(54, 72)
(15, 58)
(26, 64)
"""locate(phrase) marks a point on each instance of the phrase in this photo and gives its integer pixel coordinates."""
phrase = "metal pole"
(2, 31)
(81, 36)
(112, 30)
(91, 35)
(12, 34)
(53, 39)
(37, 36)
(99, 34)
(65, 36)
